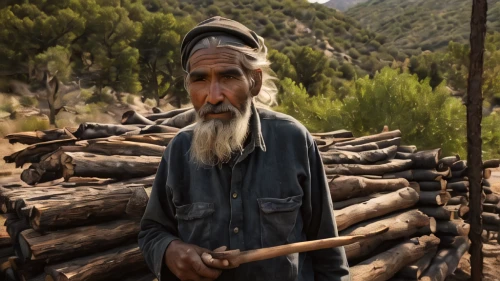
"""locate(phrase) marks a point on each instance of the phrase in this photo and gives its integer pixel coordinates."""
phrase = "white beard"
(215, 140)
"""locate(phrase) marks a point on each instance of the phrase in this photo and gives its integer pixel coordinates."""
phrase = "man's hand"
(184, 261)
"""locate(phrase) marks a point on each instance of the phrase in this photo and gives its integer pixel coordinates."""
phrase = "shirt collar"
(255, 129)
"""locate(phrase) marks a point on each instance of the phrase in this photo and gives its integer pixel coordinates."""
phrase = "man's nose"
(215, 95)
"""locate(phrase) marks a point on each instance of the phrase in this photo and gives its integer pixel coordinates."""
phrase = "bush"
(348, 71)
(34, 123)
(28, 101)
(353, 53)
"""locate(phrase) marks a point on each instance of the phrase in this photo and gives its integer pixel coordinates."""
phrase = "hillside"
(286, 24)
(343, 5)
(425, 24)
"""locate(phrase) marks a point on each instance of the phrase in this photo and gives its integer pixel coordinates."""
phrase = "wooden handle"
(236, 257)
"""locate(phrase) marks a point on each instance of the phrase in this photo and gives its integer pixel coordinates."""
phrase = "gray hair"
(250, 59)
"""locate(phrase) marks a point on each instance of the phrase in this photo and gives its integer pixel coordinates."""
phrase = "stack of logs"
(76, 214)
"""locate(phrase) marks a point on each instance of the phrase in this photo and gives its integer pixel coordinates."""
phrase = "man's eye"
(229, 77)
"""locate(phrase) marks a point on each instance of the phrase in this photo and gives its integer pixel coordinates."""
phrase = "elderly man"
(241, 177)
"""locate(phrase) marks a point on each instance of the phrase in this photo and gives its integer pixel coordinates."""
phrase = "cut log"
(490, 218)
(459, 166)
(132, 117)
(335, 134)
(356, 200)
(454, 227)
(81, 164)
(114, 264)
(425, 159)
(30, 138)
(407, 148)
(414, 270)
(436, 198)
(364, 157)
(345, 187)
(492, 199)
(449, 160)
(372, 138)
(168, 114)
(324, 145)
(81, 208)
(440, 213)
(377, 169)
(486, 173)
(385, 265)
(432, 185)
(491, 208)
(418, 175)
(181, 120)
(461, 186)
(487, 190)
(397, 200)
(491, 164)
(79, 241)
(402, 224)
(90, 130)
(156, 139)
(33, 153)
(458, 200)
(459, 173)
(369, 146)
(446, 261)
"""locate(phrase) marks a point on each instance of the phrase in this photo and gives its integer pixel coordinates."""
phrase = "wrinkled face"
(218, 84)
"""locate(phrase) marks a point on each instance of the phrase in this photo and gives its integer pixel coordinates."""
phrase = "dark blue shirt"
(272, 193)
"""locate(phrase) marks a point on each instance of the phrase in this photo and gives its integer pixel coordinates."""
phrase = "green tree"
(110, 57)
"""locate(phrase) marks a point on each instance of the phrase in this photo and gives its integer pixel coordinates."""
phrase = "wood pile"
(75, 215)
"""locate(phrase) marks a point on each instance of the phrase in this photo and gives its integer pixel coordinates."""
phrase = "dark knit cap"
(214, 27)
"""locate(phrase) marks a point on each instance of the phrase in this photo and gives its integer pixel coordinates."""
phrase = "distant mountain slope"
(343, 5)
(289, 23)
(425, 24)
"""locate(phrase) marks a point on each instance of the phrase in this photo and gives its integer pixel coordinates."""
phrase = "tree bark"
(402, 224)
(418, 175)
(432, 185)
(414, 270)
(372, 138)
(474, 141)
(168, 114)
(345, 187)
(461, 186)
(454, 227)
(364, 157)
(426, 159)
(156, 139)
(81, 164)
(369, 146)
(79, 241)
(110, 265)
(436, 198)
(397, 200)
(446, 261)
(133, 118)
(383, 266)
(34, 152)
(81, 208)
(376, 169)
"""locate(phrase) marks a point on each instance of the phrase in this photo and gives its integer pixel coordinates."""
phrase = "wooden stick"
(237, 257)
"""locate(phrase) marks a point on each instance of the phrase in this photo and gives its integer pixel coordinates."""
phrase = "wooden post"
(474, 116)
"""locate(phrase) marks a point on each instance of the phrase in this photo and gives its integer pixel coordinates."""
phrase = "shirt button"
(235, 195)
(236, 230)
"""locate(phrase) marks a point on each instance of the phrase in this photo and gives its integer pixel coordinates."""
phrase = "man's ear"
(257, 77)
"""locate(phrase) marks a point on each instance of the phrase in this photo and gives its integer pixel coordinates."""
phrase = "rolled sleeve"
(158, 225)
(328, 264)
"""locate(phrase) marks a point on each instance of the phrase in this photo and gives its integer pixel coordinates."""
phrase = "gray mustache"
(219, 108)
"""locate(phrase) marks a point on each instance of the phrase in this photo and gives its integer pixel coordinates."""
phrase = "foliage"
(28, 101)
(426, 118)
(34, 123)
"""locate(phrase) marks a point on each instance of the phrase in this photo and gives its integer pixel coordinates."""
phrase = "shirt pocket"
(278, 217)
(193, 223)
